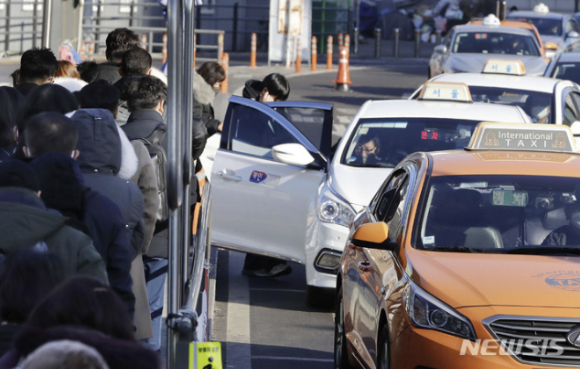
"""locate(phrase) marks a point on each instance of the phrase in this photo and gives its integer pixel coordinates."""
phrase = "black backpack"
(159, 158)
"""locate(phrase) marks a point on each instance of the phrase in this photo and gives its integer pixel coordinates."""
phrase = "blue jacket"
(100, 161)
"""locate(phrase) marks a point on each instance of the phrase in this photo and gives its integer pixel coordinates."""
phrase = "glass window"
(495, 43)
(570, 110)
(255, 133)
(384, 142)
(535, 104)
(391, 203)
(569, 71)
(546, 26)
(310, 122)
(500, 214)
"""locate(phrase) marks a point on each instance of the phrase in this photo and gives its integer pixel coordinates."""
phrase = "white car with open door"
(271, 160)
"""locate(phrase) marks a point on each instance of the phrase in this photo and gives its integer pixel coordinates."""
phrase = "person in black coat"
(26, 277)
(37, 67)
(10, 103)
(118, 42)
(206, 83)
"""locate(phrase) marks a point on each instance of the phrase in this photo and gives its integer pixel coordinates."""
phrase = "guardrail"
(26, 30)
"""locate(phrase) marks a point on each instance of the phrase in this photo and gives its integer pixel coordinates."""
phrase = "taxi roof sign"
(541, 8)
(445, 91)
(491, 20)
(504, 66)
(522, 137)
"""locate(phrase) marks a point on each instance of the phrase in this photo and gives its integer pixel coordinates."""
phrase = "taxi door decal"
(257, 176)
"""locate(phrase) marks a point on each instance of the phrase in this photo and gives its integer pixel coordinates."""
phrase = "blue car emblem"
(257, 176)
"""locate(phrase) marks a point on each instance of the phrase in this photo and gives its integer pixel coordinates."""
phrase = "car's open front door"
(271, 160)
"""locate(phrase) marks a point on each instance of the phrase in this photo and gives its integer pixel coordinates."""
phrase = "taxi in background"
(381, 134)
(561, 29)
(549, 48)
(466, 48)
(273, 165)
(468, 258)
(545, 100)
(565, 66)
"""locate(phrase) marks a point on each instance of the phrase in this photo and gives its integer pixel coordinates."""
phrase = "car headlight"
(426, 311)
(330, 208)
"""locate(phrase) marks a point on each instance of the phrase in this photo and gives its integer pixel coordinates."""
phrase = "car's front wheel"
(383, 358)
(340, 350)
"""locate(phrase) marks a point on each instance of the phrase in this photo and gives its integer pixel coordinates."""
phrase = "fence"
(21, 27)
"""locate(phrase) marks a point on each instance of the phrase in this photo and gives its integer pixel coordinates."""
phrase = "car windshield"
(495, 43)
(546, 26)
(384, 142)
(569, 71)
(501, 214)
(537, 105)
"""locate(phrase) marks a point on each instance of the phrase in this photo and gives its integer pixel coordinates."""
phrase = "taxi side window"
(254, 133)
(391, 203)
(571, 108)
(447, 41)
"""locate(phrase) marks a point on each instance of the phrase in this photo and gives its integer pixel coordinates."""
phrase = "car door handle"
(364, 266)
(229, 177)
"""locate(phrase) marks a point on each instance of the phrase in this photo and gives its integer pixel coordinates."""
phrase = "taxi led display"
(522, 137)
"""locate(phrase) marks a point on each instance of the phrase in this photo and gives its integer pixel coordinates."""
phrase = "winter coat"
(25, 221)
(109, 71)
(146, 179)
(101, 152)
(564, 236)
(7, 333)
(203, 96)
(71, 84)
(142, 123)
(25, 88)
(252, 89)
(62, 188)
(119, 354)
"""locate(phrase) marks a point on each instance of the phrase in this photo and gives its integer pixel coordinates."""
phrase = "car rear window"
(546, 27)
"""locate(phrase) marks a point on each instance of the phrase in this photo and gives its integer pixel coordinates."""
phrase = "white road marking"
(293, 359)
(339, 129)
(406, 95)
(343, 119)
(238, 318)
(347, 111)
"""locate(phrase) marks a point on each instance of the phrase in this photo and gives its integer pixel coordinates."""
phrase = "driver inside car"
(367, 150)
(568, 234)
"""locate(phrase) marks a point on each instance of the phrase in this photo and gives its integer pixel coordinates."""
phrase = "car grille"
(514, 332)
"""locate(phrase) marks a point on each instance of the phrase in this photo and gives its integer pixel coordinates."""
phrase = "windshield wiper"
(544, 250)
(452, 249)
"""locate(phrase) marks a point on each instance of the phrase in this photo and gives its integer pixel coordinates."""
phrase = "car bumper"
(417, 348)
(323, 238)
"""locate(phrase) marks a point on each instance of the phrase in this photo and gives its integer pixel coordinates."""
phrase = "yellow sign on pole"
(209, 355)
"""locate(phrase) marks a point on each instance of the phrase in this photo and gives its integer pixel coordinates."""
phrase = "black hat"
(16, 173)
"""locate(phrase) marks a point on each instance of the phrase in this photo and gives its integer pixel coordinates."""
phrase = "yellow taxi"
(468, 258)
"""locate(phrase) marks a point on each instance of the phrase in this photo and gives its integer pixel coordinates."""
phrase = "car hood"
(355, 184)
(473, 63)
(467, 280)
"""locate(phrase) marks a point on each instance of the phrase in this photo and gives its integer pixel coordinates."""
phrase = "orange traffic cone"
(164, 49)
(83, 50)
(343, 79)
(226, 66)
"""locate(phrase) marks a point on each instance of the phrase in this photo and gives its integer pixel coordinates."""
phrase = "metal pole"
(186, 100)
(35, 23)
(132, 13)
(80, 29)
(396, 33)
(220, 46)
(174, 170)
(7, 36)
(377, 42)
(438, 38)
(235, 31)
(356, 34)
(98, 22)
(46, 22)
(576, 3)
(417, 43)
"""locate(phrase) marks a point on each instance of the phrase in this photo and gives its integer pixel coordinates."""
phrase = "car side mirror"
(575, 128)
(373, 236)
(549, 45)
(440, 49)
(573, 34)
(292, 153)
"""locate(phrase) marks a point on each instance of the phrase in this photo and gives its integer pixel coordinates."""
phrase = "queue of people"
(81, 199)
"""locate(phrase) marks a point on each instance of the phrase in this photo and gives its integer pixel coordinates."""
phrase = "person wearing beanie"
(25, 221)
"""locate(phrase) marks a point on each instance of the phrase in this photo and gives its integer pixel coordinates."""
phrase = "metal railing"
(19, 27)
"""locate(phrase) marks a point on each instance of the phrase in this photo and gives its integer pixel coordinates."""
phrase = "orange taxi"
(548, 49)
(468, 258)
